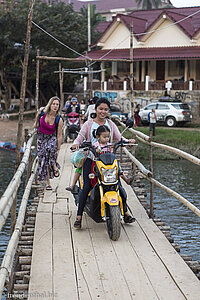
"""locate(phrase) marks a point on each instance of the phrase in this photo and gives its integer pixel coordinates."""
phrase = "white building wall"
(172, 36)
(168, 37)
(120, 34)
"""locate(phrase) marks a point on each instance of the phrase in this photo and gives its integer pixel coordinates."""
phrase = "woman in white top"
(91, 111)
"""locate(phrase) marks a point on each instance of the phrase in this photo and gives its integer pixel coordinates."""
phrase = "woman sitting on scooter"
(102, 107)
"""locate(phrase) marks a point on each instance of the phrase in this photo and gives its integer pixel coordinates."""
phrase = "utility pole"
(89, 43)
(37, 81)
(21, 108)
(89, 27)
(61, 85)
(131, 70)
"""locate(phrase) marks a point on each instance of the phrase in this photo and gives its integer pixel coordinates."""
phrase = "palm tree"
(149, 4)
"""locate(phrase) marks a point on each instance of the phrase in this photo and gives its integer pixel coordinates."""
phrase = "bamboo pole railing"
(179, 152)
(137, 163)
(7, 262)
(173, 193)
(145, 139)
(11, 191)
(147, 175)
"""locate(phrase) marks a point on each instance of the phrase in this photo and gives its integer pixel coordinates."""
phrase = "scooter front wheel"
(114, 223)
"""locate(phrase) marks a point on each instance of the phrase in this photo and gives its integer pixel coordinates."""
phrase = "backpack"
(149, 116)
(56, 120)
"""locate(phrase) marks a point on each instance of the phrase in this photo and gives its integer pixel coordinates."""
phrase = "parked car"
(169, 112)
(116, 111)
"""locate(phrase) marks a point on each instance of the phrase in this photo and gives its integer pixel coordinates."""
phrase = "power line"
(177, 22)
(137, 34)
(79, 72)
(68, 47)
(145, 33)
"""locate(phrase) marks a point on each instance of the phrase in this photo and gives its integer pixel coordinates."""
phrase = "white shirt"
(94, 128)
(90, 110)
(152, 117)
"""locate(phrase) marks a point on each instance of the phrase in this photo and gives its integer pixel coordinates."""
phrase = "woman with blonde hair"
(49, 138)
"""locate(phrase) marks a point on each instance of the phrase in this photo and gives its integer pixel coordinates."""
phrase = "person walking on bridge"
(88, 129)
(49, 138)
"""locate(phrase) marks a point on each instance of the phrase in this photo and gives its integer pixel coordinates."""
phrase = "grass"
(183, 139)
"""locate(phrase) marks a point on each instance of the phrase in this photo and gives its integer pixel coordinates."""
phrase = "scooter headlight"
(109, 175)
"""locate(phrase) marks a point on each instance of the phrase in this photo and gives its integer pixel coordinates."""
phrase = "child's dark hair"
(100, 129)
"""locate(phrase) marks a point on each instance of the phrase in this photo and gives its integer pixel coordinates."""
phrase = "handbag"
(77, 159)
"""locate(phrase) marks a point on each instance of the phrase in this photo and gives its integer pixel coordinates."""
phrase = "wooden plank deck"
(85, 264)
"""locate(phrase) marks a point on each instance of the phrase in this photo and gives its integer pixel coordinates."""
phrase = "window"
(176, 68)
(123, 68)
(150, 107)
(163, 106)
(198, 70)
(181, 106)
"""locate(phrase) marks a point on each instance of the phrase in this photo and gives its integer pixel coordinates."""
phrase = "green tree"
(60, 21)
(149, 4)
(95, 19)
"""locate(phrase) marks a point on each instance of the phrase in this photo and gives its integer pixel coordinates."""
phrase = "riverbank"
(186, 139)
(8, 129)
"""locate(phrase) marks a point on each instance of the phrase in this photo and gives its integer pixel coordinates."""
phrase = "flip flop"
(48, 188)
(77, 224)
(70, 189)
(56, 173)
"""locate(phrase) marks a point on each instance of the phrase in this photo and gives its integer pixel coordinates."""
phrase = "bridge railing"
(9, 255)
(5, 206)
(147, 174)
(11, 191)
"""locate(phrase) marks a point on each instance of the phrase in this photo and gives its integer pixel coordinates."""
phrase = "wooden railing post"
(30, 162)
(133, 153)
(151, 170)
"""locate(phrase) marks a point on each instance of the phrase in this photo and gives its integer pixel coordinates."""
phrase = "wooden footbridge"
(84, 264)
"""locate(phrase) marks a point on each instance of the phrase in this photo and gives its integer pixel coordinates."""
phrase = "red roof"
(147, 53)
(108, 5)
(105, 5)
(102, 26)
(143, 20)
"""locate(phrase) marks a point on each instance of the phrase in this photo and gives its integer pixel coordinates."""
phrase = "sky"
(185, 3)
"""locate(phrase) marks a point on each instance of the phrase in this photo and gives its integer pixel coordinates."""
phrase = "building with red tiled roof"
(109, 8)
(166, 46)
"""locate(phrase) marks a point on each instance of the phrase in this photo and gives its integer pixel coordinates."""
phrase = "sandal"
(70, 189)
(48, 188)
(56, 173)
(128, 219)
(77, 224)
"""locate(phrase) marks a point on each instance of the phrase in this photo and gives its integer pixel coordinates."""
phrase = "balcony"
(118, 85)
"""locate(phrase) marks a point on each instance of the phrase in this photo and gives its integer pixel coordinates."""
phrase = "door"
(160, 70)
(162, 111)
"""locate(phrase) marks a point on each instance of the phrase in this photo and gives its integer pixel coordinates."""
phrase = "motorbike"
(107, 199)
(72, 126)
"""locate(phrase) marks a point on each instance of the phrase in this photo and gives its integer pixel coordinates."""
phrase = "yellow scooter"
(107, 199)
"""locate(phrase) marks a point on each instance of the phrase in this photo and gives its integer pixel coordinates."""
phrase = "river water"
(184, 178)
(181, 176)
